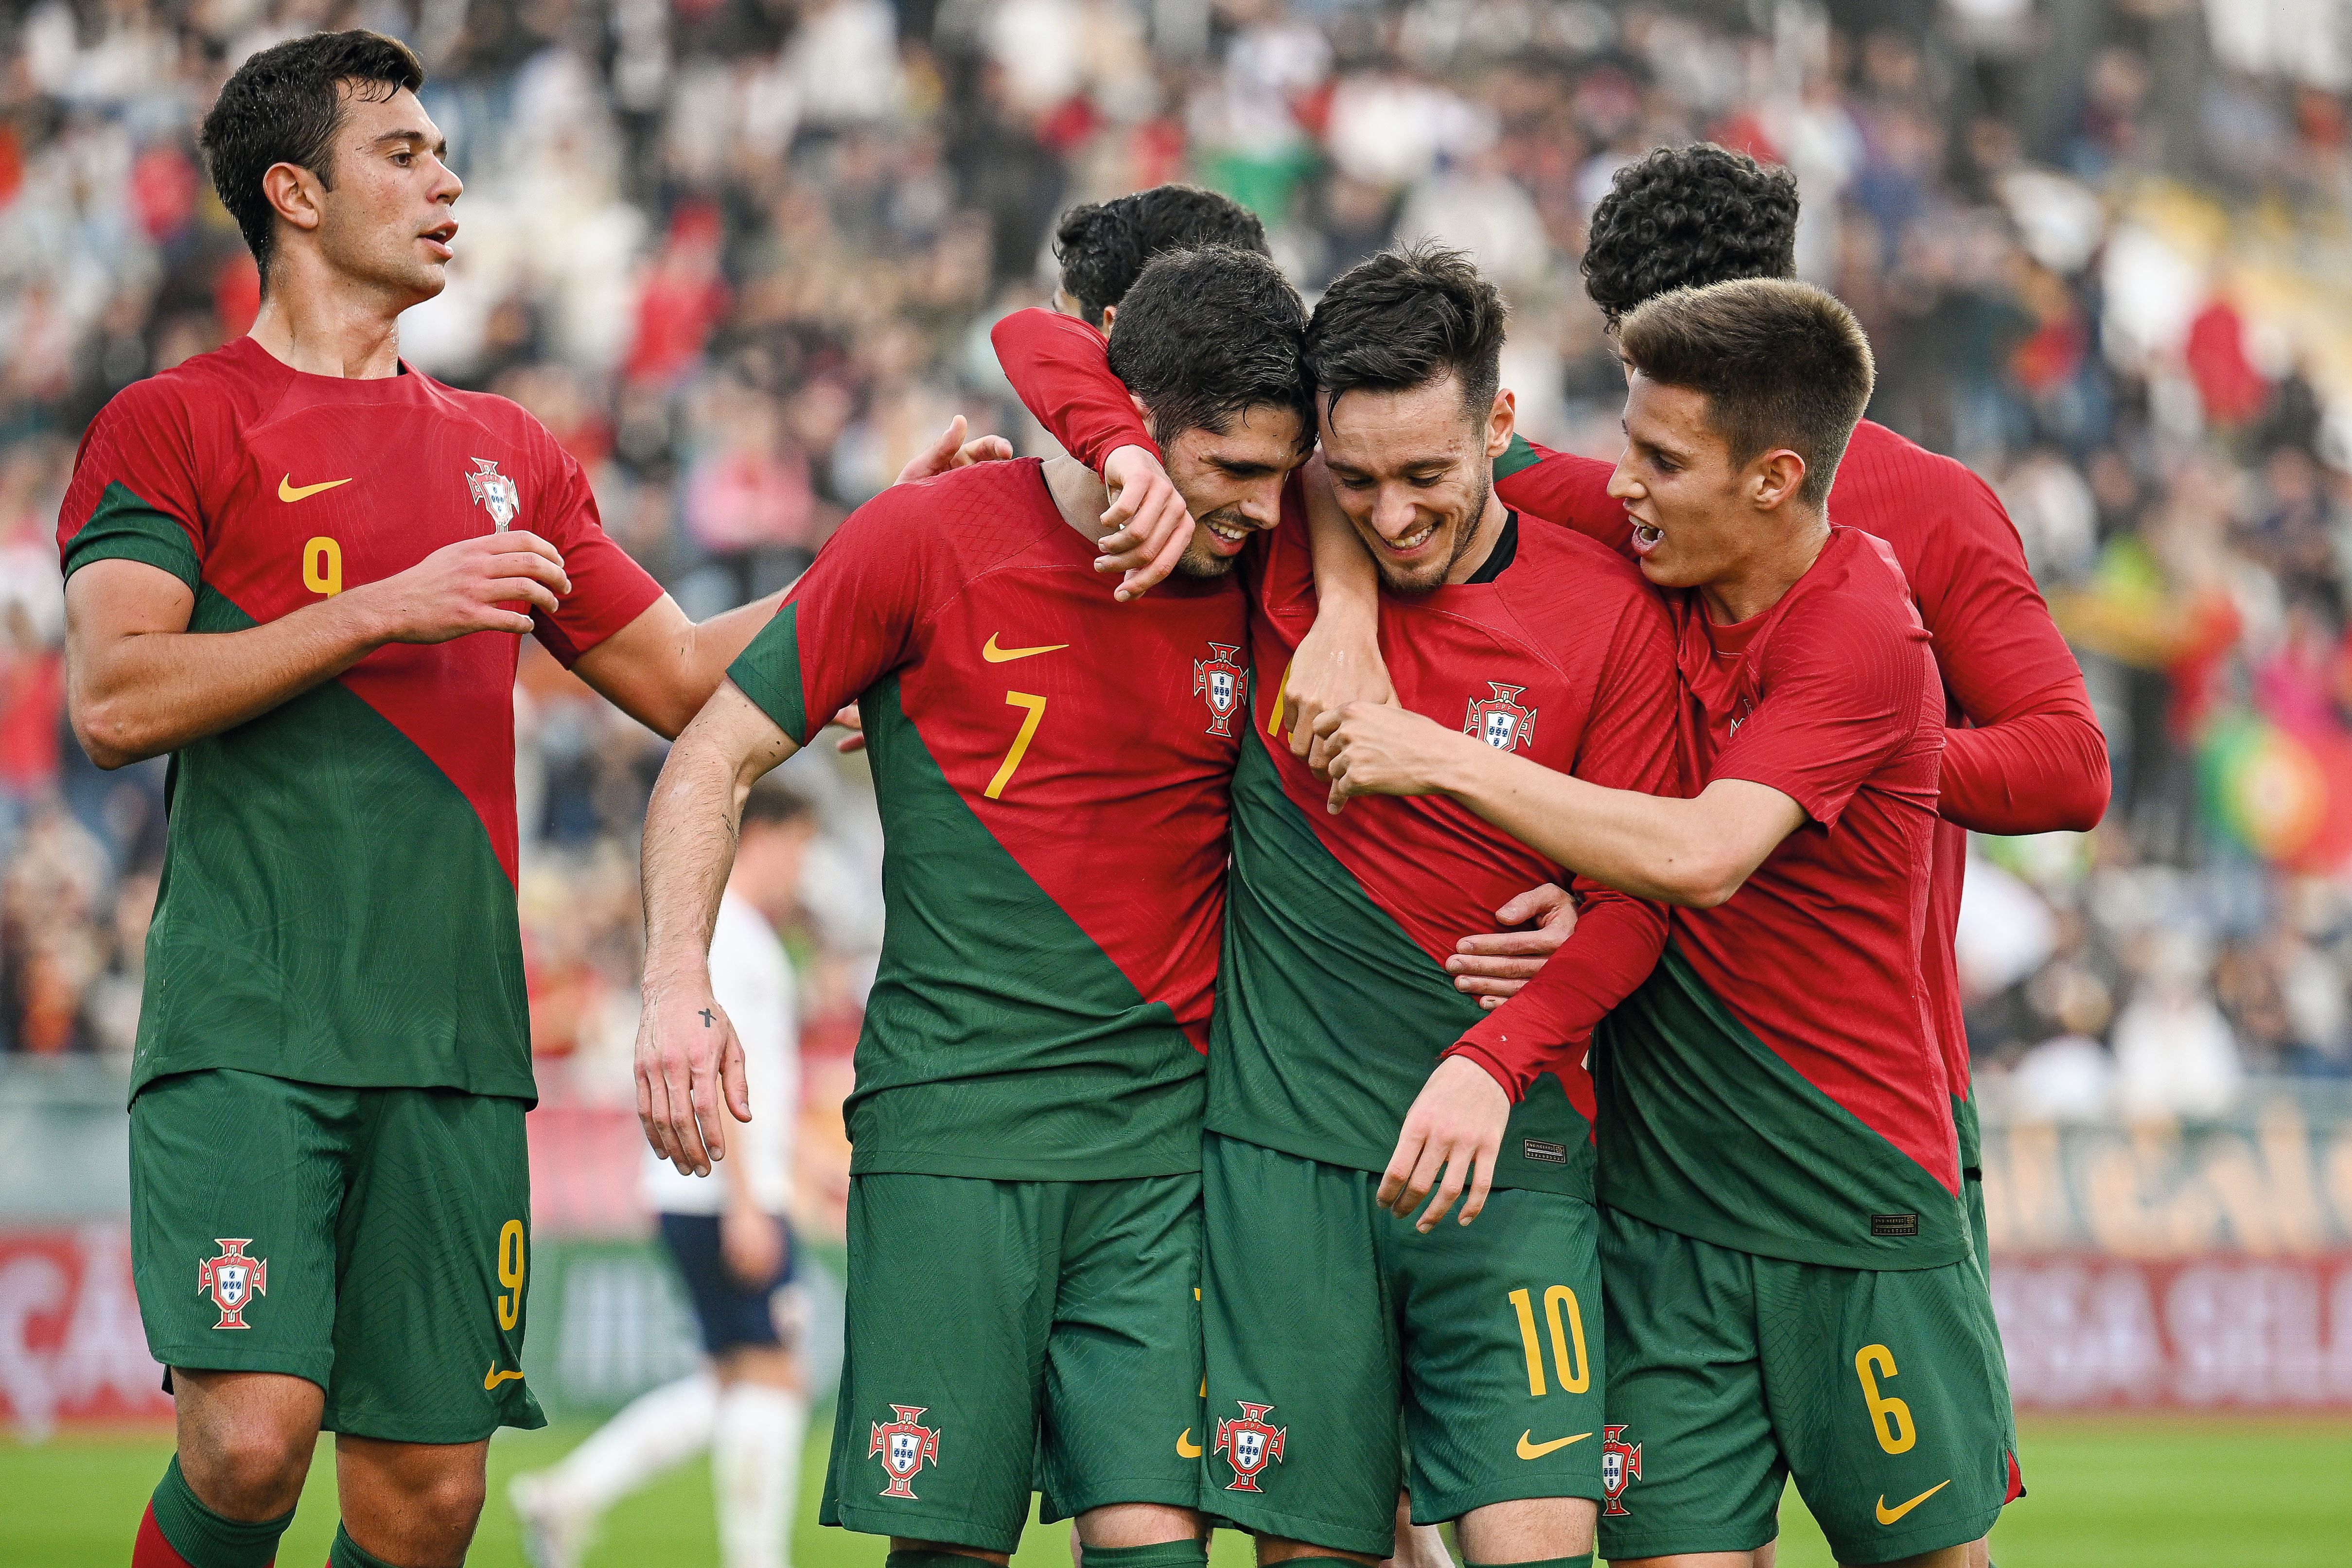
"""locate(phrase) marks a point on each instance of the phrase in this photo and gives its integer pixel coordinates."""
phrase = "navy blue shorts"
(731, 1312)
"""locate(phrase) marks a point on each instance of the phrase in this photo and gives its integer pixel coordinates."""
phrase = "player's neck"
(1483, 540)
(328, 326)
(1078, 493)
(1757, 582)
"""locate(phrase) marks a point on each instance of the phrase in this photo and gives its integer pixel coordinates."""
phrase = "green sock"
(1582, 1560)
(1167, 1554)
(208, 1539)
(349, 1553)
(934, 1560)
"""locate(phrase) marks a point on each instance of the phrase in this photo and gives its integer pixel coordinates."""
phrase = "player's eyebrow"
(413, 137)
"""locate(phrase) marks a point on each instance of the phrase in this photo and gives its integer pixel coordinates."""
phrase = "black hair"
(284, 106)
(1103, 245)
(774, 803)
(1401, 318)
(1207, 334)
(1781, 363)
(1685, 216)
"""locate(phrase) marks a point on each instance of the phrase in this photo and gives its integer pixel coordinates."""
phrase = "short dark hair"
(1207, 334)
(775, 803)
(1403, 318)
(1104, 246)
(1782, 362)
(1685, 216)
(284, 106)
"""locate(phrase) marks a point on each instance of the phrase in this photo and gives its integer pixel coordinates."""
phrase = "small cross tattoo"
(707, 1018)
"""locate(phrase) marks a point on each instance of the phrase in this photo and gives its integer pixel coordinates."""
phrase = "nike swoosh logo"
(1889, 1515)
(288, 491)
(1186, 1447)
(996, 655)
(1538, 1450)
(494, 1377)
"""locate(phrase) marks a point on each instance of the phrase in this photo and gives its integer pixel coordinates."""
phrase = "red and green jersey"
(1775, 1086)
(337, 899)
(1051, 769)
(1333, 1002)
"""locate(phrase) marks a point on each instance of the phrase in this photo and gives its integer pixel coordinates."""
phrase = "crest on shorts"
(232, 1280)
(905, 1445)
(1223, 683)
(1248, 1444)
(1499, 720)
(493, 490)
(1619, 1466)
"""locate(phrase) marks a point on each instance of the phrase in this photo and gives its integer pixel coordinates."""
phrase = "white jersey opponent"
(752, 980)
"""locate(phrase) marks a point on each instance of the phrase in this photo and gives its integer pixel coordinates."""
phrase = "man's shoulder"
(1914, 499)
(1854, 599)
(1562, 579)
(499, 415)
(218, 386)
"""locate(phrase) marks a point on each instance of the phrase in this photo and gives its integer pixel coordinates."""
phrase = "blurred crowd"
(741, 257)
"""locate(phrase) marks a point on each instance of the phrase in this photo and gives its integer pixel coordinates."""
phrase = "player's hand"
(687, 1058)
(1147, 522)
(952, 451)
(1375, 749)
(1493, 966)
(1337, 662)
(473, 585)
(753, 1242)
(851, 720)
(1455, 1126)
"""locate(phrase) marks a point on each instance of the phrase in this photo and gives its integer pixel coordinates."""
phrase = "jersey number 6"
(1036, 707)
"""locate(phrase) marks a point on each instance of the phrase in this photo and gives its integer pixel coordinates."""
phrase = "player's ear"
(1501, 420)
(1775, 478)
(1110, 314)
(294, 193)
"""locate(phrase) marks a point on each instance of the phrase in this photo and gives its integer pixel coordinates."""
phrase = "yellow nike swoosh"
(1889, 1515)
(288, 491)
(1186, 1447)
(996, 655)
(494, 1377)
(1538, 1450)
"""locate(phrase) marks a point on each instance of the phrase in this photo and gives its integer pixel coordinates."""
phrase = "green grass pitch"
(2170, 1492)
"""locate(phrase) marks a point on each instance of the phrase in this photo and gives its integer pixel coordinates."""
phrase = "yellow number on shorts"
(511, 1271)
(1036, 706)
(1575, 1374)
(1890, 1418)
(322, 566)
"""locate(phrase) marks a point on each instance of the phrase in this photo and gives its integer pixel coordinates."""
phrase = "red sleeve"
(609, 589)
(1838, 693)
(1564, 488)
(2035, 761)
(849, 621)
(1061, 368)
(1629, 744)
(135, 494)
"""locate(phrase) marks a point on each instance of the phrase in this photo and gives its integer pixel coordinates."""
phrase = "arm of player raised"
(1563, 487)
(687, 1056)
(1060, 368)
(2033, 759)
(1338, 661)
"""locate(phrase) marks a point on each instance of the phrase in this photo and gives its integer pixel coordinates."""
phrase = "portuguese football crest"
(232, 1280)
(904, 1446)
(1248, 1444)
(1619, 1465)
(495, 493)
(1223, 683)
(1499, 720)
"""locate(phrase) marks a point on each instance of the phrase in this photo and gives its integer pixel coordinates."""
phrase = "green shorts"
(1882, 1393)
(375, 1241)
(1330, 1321)
(999, 1331)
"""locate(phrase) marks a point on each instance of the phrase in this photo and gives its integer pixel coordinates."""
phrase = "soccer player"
(733, 1249)
(1025, 1196)
(1791, 1286)
(1328, 1318)
(1103, 247)
(299, 567)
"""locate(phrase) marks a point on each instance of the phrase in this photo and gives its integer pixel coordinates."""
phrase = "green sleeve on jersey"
(1329, 1017)
(1518, 454)
(769, 673)
(122, 527)
(1706, 1131)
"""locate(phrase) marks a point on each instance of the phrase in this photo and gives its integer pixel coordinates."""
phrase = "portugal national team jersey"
(338, 898)
(1052, 768)
(1775, 1086)
(1333, 1002)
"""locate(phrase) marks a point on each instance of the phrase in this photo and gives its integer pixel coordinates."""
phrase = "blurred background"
(741, 257)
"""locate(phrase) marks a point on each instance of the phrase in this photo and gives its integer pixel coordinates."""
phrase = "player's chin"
(1202, 559)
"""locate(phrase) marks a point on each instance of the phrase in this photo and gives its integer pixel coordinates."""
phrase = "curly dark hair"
(1103, 245)
(1207, 335)
(1686, 216)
